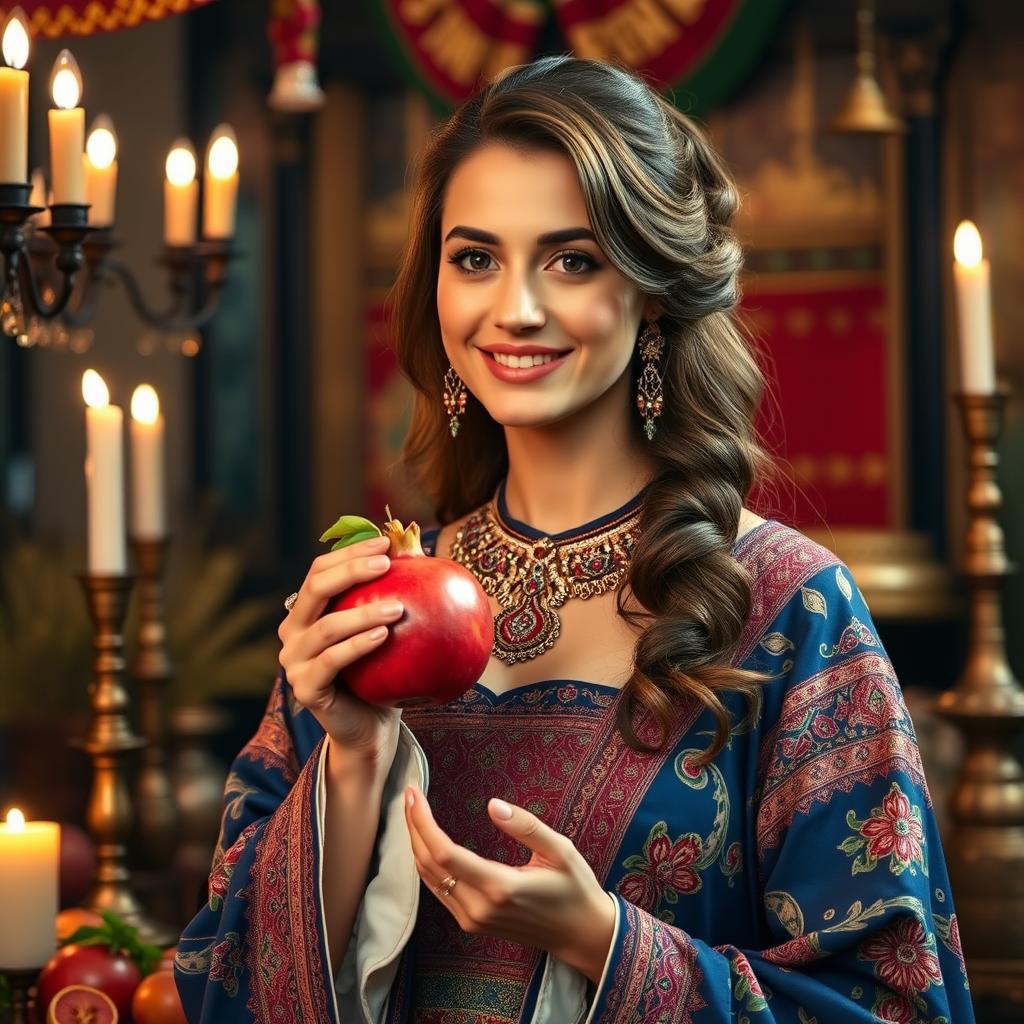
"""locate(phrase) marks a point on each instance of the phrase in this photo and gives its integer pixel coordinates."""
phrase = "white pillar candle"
(147, 464)
(67, 131)
(181, 195)
(104, 477)
(29, 885)
(974, 308)
(220, 185)
(101, 172)
(14, 101)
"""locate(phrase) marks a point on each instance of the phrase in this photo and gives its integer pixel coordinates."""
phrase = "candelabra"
(985, 849)
(109, 741)
(151, 669)
(62, 276)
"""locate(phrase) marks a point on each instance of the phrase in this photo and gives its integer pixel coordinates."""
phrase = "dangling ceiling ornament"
(295, 35)
(698, 49)
(50, 19)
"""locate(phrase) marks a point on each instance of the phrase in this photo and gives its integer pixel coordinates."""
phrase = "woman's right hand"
(316, 647)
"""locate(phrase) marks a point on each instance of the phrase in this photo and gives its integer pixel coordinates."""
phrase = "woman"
(687, 721)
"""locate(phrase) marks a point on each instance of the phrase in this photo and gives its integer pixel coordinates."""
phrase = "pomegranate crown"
(348, 530)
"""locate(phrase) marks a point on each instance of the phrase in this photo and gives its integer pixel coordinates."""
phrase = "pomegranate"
(81, 1004)
(440, 645)
(94, 967)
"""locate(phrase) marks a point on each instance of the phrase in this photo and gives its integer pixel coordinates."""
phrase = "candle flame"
(222, 156)
(15, 820)
(94, 390)
(66, 81)
(145, 404)
(101, 146)
(967, 244)
(15, 41)
(181, 164)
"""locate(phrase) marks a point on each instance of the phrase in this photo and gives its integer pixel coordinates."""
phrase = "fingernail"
(378, 562)
(501, 809)
(391, 608)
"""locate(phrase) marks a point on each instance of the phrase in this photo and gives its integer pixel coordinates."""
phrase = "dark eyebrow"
(550, 238)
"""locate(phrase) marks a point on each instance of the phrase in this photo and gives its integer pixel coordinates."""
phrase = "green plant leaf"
(350, 530)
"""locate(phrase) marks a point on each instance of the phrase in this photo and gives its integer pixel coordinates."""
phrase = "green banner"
(696, 50)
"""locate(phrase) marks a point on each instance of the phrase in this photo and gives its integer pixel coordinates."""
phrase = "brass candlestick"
(985, 849)
(109, 741)
(150, 669)
(21, 981)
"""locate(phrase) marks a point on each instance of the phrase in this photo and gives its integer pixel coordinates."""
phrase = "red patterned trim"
(284, 948)
(616, 785)
(820, 765)
(780, 560)
(224, 866)
(271, 746)
(656, 977)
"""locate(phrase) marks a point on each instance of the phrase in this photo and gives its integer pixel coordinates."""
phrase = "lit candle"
(974, 306)
(181, 194)
(14, 100)
(101, 171)
(220, 184)
(147, 464)
(104, 477)
(29, 882)
(67, 131)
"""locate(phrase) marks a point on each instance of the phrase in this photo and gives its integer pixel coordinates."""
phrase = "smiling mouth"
(515, 362)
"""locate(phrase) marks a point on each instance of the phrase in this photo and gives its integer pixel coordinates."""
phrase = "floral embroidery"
(195, 961)
(732, 863)
(893, 830)
(903, 957)
(235, 794)
(855, 633)
(747, 989)
(843, 583)
(800, 950)
(271, 745)
(220, 876)
(893, 1009)
(666, 869)
(226, 963)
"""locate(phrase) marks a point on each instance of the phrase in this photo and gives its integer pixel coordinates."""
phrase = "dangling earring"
(649, 397)
(454, 398)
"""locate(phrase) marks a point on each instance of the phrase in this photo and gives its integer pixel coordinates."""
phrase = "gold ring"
(290, 600)
(446, 886)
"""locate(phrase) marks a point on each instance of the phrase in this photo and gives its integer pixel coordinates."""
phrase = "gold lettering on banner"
(456, 46)
(504, 55)
(687, 11)
(419, 12)
(636, 31)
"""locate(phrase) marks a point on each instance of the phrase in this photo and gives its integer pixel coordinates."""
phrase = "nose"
(518, 306)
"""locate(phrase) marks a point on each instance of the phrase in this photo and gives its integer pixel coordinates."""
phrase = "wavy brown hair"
(660, 203)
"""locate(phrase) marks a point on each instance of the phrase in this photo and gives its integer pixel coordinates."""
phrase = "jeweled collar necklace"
(531, 574)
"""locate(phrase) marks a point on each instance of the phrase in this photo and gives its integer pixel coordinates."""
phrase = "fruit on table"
(70, 920)
(156, 1000)
(95, 966)
(439, 647)
(81, 1004)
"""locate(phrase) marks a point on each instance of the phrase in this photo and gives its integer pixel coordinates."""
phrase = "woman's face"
(521, 271)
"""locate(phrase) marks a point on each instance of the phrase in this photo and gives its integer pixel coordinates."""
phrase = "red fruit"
(81, 1004)
(70, 920)
(439, 647)
(95, 966)
(156, 1001)
(77, 864)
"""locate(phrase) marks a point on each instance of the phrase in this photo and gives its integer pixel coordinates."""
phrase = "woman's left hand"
(553, 902)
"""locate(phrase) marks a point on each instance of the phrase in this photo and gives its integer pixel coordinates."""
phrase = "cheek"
(459, 308)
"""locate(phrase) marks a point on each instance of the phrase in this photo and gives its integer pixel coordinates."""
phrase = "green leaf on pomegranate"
(350, 530)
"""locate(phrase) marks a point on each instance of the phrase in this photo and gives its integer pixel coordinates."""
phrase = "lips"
(523, 374)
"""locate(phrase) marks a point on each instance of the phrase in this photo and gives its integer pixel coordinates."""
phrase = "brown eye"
(472, 261)
(576, 263)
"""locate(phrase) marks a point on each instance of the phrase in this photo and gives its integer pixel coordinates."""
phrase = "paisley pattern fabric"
(797, 878)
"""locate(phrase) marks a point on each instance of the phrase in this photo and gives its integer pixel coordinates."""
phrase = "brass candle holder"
(985, 849)
(109, 742)
(21, 981)
(150, 669)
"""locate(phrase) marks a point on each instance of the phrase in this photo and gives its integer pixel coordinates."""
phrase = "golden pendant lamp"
(865, 109)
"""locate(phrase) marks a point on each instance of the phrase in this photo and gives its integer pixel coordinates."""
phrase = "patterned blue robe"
(798, 878)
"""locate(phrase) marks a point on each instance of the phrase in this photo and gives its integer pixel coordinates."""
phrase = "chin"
(532, 413)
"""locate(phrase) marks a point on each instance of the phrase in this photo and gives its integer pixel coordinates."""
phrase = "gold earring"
(454, 398)
(649, 396)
